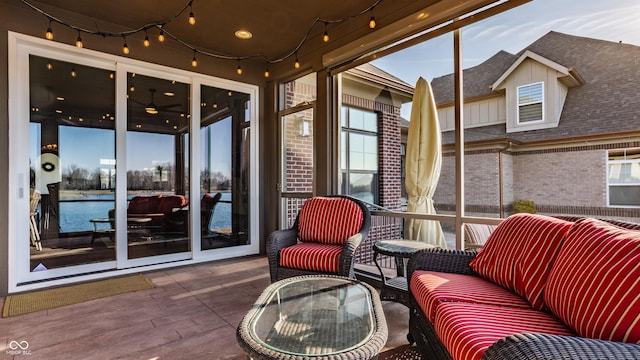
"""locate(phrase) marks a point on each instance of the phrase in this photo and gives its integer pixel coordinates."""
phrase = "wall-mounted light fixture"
(304, 126)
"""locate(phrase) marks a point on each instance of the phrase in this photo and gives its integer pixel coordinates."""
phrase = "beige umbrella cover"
(423, 162)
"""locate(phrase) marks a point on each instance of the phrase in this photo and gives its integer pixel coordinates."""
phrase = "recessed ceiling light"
(168, 93)
(244, 34)
(60, 98)
(58, 111)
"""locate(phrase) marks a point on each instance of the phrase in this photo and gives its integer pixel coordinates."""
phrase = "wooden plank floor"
(191, 314)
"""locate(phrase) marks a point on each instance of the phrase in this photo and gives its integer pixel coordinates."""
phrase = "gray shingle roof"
(608, 102)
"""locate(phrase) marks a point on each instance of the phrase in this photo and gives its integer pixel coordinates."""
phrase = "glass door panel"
(224, 167)
(157, 166)
(72, 164)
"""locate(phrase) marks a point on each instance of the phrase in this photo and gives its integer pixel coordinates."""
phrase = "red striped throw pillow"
(594, 285)
(329, 220)
(519, 253)
(310, 256)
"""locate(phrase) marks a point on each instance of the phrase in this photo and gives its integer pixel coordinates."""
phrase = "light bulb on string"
(49, 34)
(194, 62)
(125, 47)
(372, 22)
(146, 41)
(79, 41)
(239, 68)
(161, 35)
(296, 64)
(73, 72)
(266, 71)
(325, 37)
(49, 65)
(192, 19)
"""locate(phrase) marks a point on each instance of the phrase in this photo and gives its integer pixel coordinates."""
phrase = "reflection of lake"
(78, 210)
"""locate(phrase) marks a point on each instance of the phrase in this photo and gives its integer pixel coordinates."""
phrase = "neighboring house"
(558, 124)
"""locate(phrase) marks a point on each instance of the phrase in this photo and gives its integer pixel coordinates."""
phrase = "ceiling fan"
(153, 109)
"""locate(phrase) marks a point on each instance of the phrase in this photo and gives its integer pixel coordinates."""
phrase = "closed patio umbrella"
(423, 161)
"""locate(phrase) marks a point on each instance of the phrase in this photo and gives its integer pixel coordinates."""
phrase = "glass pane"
(298, 92)
(624, 173)
(531, 112)
(72, 163)
(297, 153)
(224, 168)
(624, 195)
(157, 158)
(362, 186)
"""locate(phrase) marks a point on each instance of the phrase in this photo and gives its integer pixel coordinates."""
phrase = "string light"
(146, 41)
(194, 62)
(192, 19)
(325, 37)
(239, 69)
(189, 5)
(49, 66)
(266, 70)
(161, 35)
(125, 48)
(79, 41)
(49, 34)
(73, 72)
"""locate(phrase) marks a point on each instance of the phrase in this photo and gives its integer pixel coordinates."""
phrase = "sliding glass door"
(101, 175)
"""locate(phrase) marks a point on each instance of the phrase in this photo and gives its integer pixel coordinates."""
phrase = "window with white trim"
(624, 177)
(359, 154)
(530, 103)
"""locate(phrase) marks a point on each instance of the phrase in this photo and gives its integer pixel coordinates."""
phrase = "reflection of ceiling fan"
(153, 109)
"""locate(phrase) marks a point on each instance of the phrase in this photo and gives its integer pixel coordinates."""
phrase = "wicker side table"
(396, 288)
(314, 316)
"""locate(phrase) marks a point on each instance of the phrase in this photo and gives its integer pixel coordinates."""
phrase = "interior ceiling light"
(151, 108)
(60, 98)
(49, 66)
(169, 93)
(244, 34)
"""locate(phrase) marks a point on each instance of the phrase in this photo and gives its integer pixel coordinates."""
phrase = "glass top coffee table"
(317, 317)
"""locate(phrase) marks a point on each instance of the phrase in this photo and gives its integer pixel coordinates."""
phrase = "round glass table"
(314, 316)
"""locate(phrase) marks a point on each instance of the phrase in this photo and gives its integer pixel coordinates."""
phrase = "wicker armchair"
(323, 239)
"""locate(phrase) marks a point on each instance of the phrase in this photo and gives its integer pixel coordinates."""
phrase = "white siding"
(478, 113)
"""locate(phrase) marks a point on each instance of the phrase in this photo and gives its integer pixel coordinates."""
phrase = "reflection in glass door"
(224, 167)
(157, 166)
(71, 164)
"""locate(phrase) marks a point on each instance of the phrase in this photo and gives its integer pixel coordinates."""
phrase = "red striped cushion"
(594, 286)
(519, 253)
(329, 220)
(467, 330)
(432, 288)
(311, 256)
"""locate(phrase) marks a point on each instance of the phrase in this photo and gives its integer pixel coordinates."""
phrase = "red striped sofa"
(541, 288)
(323, 239)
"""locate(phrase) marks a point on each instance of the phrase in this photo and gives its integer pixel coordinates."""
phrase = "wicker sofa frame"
(522, 346)
(280, 239)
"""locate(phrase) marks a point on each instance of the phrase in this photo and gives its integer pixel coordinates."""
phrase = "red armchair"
(323, 239)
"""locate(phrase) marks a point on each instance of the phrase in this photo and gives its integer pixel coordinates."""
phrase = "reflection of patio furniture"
(136, 226)
(475, 235)
(34, 230)
(52, 204)
(155, 207)
(329, 230)
(319, 317)
(178, 221)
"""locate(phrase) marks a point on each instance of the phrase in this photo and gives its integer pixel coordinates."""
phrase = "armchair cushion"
(329, 220)
(519, 253)
(311, 256)
(432, 288)
(467, 330)
(594, 283)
